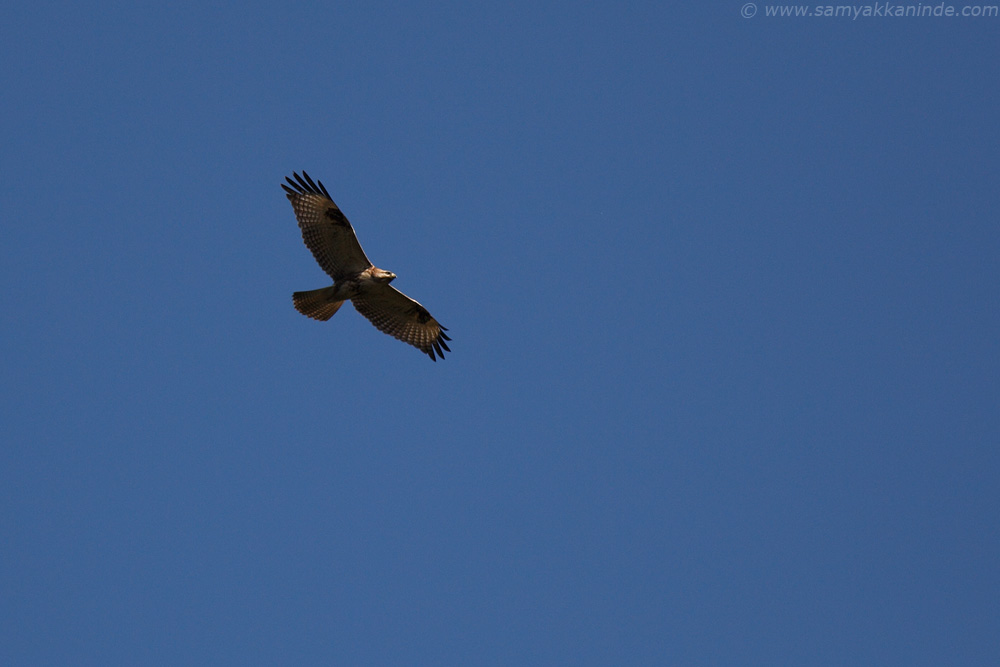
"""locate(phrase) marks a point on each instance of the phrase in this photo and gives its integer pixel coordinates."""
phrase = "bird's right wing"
(325, 229)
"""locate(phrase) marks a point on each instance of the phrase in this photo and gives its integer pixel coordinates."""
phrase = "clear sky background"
(723, 293)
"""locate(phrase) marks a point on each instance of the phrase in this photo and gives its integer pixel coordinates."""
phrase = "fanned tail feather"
(317, 304)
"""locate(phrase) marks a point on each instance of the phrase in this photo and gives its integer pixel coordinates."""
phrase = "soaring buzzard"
(331, 239)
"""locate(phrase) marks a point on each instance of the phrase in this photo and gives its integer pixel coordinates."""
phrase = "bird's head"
(384, 276)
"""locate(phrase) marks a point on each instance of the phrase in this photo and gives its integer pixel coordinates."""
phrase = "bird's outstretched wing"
(401, 317)
(325, 230)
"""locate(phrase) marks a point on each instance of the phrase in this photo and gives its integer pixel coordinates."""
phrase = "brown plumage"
(332, 241)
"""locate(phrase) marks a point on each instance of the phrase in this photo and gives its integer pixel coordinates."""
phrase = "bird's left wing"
(401, 317)
(325, 229)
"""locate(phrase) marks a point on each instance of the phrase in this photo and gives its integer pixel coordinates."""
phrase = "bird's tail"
(318, 304)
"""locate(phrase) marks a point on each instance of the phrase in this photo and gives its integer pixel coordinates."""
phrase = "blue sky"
(724, 381)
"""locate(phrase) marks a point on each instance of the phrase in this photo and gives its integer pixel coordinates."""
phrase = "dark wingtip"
(323, 188)
(296, 188)
(309, 181)
(304, 184)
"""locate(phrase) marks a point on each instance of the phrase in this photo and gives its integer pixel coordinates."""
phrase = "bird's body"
(332, 241)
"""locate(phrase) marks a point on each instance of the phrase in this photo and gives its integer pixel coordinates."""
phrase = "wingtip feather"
(304, 184)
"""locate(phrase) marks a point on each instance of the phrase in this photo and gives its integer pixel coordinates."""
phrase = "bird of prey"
(331, 239)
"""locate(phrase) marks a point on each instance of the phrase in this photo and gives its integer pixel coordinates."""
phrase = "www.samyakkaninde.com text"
(876, 10)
